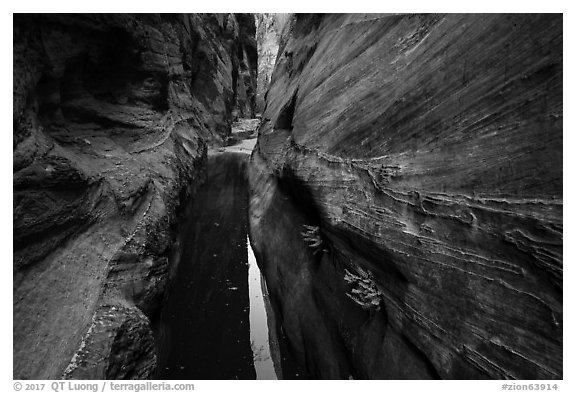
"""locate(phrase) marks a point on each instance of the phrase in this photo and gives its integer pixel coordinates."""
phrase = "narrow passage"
(213, 324)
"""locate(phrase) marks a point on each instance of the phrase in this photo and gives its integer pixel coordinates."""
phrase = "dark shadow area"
(286, 116)
(300, 194)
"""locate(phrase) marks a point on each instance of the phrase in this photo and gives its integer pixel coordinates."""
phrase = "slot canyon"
(288, 196)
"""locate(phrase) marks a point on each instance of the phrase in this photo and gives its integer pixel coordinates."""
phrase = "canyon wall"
(112, 114)
(248, 67)
(268, 31)
(406, 195)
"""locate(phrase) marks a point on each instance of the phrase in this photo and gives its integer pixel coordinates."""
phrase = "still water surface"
(213, 324)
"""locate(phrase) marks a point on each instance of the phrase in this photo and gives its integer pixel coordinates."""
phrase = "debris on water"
(233, 288)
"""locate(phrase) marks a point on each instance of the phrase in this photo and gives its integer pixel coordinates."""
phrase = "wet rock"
(112, 114)
(427, 149)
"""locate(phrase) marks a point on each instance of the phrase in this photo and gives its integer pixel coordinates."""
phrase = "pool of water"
(214, 323)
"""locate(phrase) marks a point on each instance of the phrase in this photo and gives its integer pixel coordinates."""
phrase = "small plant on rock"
(364, 291)
(312, 236)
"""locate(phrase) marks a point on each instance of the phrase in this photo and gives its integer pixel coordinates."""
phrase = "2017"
(35, 386)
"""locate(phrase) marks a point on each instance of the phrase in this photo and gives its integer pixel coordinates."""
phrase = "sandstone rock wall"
(268, 31)
(111, 118)
(424, 154)
(248, 67)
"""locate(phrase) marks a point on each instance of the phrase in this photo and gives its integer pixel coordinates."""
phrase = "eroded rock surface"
(424, 155)
(111, 118)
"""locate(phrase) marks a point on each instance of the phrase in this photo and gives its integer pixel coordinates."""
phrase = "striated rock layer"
(111, 115)
(424, 154)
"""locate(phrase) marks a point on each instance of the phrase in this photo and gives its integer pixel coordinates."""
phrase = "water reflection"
(259, 338)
